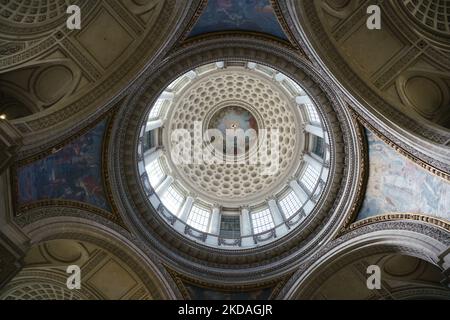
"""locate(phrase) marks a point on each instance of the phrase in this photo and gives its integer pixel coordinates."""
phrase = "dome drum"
(185, 210)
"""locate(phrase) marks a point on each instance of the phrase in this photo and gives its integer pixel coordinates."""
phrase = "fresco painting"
(243, 15)
(397, 185)
(72, 173)
(228, 120)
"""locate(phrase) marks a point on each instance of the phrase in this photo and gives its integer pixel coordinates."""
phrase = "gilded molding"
(364, 172)
(399, 216)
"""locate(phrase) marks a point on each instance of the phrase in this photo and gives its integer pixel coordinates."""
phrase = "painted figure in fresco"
(234, 118)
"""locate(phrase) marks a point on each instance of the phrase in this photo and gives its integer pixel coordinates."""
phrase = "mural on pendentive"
(397, 185)
(71, 173)
(242, 15)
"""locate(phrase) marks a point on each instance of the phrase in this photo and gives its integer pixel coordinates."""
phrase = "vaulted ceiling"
(74, 105)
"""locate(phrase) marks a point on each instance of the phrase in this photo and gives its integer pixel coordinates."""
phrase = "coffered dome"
(228, 190)
(223, 98)
(433, 15)
(196, 208)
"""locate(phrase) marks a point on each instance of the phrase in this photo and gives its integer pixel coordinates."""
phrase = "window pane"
(290, 204)
(312, 113)
(149, 140)
(155, 172)
(154, 113)
(310, 178)
(295, 86)
(230, 227)
(318, 148)
(262, 221)
(199, 218)
(172, 200)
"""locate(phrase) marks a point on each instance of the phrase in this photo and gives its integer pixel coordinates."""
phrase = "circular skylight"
(234, 155)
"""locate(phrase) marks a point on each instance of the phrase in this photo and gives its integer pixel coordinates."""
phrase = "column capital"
(271, 198)
(192, 195)
(245, 207)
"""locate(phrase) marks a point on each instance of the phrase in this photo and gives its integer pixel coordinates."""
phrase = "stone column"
(162, 188)
(154, 124)
(278, 218)
(214, 226)
(302, 196)
(314, 130)
(151, 155)
(186, 209)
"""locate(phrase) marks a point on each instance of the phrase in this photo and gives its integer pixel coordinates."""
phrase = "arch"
(367, 96)
(424, 241)
(53, 223)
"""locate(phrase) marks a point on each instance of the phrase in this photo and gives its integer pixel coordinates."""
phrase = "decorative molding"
(10, 143)
(201, 6)
(76, 224)
(398, 216)
(363, 172)
(102, 95)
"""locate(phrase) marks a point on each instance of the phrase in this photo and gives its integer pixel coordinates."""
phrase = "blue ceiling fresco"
(72, 173)
(239, 15)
